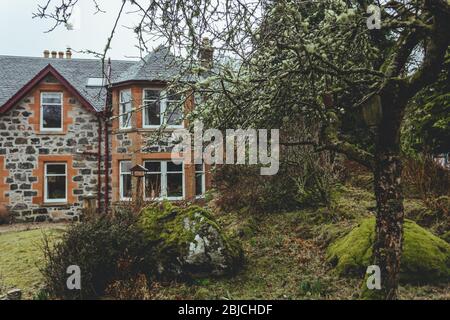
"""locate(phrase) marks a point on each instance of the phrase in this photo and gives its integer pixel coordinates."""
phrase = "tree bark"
(389, 222)
(388, 192)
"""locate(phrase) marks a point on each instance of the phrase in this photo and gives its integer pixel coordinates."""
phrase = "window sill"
(159, 128)
(45, 133)
(55, 204)
(147, 129)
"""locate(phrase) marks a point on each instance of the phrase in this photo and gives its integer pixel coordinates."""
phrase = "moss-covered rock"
(426, 258)
(188, 241)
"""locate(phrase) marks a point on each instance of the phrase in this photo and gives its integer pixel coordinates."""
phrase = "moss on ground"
(175, 229)
(426, 258)
(20, 259)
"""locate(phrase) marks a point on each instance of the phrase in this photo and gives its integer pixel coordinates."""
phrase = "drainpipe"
(99, 163)
(106, 162)
(106, 114)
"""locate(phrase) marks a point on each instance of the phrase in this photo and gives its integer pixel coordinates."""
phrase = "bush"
(105, 249)
(426, 179)
(305, 178)
(135, 288)
(240, 187)
(5, 215)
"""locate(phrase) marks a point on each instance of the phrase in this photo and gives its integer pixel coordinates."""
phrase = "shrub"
(425, 179)
(105, 249)
(240, 187)
(135, 288)
(305, 178)
(5, 215)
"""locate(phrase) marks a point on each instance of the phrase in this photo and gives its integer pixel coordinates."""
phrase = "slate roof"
(159, 65)
(16, 72)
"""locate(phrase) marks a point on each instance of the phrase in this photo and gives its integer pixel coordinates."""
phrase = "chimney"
(46, 54)
(206, 54)
(54, 53)
(68, 54)
(61, 54)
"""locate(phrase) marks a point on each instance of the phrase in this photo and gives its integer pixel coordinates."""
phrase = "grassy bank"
(20, 258)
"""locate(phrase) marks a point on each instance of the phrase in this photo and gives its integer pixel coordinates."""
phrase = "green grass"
(285, 258)
(20, 258)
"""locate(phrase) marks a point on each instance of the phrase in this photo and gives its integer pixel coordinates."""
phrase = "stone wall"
(24, 150)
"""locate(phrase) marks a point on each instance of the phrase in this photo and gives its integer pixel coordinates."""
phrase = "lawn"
(20, 258)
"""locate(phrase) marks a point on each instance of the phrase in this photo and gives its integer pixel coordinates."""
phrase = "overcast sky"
(23, 36)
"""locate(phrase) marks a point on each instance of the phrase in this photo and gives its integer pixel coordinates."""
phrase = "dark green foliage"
(427, 123)
(105, 249)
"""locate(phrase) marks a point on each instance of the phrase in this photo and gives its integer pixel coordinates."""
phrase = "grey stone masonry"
(23, 147)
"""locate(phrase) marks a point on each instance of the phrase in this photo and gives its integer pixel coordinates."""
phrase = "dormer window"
(162, 108)
(51, 111)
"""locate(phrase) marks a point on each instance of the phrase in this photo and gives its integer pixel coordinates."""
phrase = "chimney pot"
(68, 54)
(54, 53)
(61, 54)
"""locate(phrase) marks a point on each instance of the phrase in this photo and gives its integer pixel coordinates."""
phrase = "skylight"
(96, 82)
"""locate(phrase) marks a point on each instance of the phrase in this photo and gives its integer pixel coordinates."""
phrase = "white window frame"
(162, 110)
(164, 174)
(203, 172)
(145, 177)
(144, 109)
(41, 111)
(46, 200)
(121, 114)
(121, 173)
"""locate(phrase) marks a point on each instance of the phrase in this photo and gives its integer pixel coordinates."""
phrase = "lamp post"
(138, 172)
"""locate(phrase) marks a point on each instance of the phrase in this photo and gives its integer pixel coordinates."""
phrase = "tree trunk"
(389, 222)
(389, 195)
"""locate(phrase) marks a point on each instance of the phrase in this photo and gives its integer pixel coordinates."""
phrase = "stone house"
(66, 138)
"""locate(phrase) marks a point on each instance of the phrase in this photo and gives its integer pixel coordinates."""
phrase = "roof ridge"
(71, 59)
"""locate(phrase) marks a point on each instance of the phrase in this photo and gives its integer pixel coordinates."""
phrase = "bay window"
(152, 181)
(174, 185)
(55, 182)
(162, 108)
(125, 180)
(164, 179)
(152, 108)
(173, 113)
(51, 111)
(199, 180)
(125, 108)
